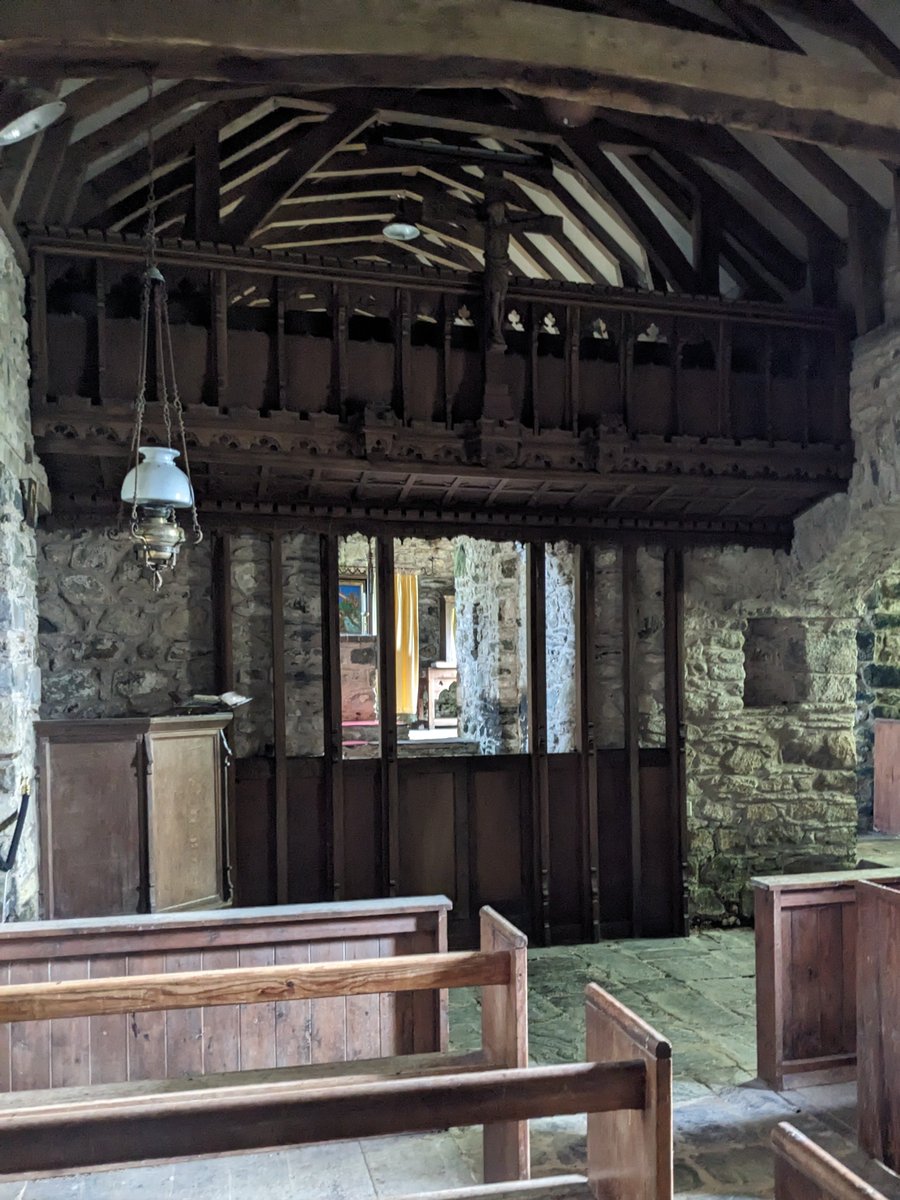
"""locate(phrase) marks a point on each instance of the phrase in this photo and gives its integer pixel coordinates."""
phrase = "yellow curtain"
(406, 623)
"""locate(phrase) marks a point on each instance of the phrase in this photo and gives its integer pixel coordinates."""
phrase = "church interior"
(449, 599)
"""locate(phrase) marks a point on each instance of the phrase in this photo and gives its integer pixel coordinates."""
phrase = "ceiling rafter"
(242, 156)
(843, 20)
(753, 251)
(585, 155)
(125, 182)
(298, 163)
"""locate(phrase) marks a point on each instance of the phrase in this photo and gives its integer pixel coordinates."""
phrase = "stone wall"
(19, 673)
(878, 682)
(771, 785)
(109, 645)
(562, 665)
(491, 642)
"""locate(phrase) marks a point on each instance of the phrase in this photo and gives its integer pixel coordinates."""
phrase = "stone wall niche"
(775, 662)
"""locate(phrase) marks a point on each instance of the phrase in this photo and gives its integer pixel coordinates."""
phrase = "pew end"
(504, 1040)
(630, 1154)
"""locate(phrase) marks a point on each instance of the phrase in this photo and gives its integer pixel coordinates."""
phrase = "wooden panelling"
(806, 968)
(878, 1017)
(131, 814)
(307, 830)
(159, 1045)
(659, 906)
(500, 825)
(426, 828)
(566, 846)
(91, 852)
(254, 815)
(362, 829)
(886, 815)
(613, 816)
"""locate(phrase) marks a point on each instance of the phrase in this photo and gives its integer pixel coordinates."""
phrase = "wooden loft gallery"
(621, 339)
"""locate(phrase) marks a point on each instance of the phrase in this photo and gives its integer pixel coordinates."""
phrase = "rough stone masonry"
(20, 477)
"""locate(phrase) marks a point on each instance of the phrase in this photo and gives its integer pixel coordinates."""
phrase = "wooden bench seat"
(628, 1101)
(499, 968)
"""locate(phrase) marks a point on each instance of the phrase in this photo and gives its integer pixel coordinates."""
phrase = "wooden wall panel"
(613, 831)
(566, 848)
(886, 815)
(254, 833)
(362, 828)
(426, 815)
(307, 830)
(659, 907)
(501, 828)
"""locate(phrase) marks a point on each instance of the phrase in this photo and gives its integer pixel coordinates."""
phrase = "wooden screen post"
(632, 743)
(504, 1038)
(586, 622)
(537, 736)
(223, 623)
(333, 724)
(630, 1152)
(279, 718)
(387, 717)
(673, 604)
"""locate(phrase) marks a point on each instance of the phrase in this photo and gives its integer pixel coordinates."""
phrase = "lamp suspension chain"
(155, 487)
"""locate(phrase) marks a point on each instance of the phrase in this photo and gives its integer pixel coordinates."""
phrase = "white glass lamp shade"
(400, 230)
(31, 121)
(156, 481)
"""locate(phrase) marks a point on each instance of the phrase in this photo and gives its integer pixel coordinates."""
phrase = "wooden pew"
(499, 968)
(806, 975)
(224, 1039)
(804, 1171)
(628, 1102)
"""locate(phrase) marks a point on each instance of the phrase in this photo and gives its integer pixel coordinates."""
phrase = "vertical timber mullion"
(387, 713)
(100, 332)
(586, 636)
(279, 717)
(537, 740)
(673, 602)
(632, 745)
(333, 724)
(280, 341)
(225, 681)
(219, 281)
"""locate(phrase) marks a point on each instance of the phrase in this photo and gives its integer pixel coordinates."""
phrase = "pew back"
(76, 1052)
(804, 1171)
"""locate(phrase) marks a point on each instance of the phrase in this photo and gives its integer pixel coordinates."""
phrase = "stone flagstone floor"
(698, 992)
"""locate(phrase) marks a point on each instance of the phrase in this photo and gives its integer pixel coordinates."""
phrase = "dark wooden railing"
(314, 336)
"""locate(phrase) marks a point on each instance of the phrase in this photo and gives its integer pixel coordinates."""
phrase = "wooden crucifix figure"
(499, 223)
